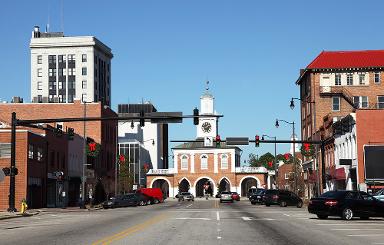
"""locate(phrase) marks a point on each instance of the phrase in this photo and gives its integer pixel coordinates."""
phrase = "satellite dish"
(2, 175)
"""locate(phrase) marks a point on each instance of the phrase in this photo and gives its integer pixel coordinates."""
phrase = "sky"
(164, 51)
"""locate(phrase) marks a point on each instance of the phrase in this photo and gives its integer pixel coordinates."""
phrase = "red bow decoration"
(306, 146)
(287, 156)
(92, 146)
(270, 164)
(146, 166)
(122, 158)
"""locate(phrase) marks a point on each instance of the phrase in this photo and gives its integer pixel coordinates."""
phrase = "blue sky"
(164, 51)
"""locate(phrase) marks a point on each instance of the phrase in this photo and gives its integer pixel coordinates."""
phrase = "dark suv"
(282, 197)
(257, 197)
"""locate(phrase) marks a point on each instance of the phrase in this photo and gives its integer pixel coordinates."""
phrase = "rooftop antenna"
(62, 15)
(207, 85)
(49, 17)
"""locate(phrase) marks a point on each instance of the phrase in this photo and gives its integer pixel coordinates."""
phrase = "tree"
(125, 176)
(267, 160)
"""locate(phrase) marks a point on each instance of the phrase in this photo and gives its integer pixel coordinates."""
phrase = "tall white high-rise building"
(68, 68)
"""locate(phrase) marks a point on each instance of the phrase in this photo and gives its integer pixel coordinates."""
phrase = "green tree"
(125, 177)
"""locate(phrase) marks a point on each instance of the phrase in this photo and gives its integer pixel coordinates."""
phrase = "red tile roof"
(348, 59)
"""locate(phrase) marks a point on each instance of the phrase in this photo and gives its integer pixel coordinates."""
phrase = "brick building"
(332, 86)
(197, 164)
(60, 160)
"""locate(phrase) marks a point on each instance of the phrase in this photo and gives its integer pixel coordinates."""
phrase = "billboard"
(374, 162)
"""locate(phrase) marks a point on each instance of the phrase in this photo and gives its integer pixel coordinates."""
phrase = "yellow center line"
(129, 230)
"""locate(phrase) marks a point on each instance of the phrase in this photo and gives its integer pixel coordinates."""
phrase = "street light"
(292, 105)
(272, 137)
(294, 149)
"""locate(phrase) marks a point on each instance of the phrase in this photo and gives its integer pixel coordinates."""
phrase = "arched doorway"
(199, 186)
(247, 183)
(163, 185)
(184, 185)
(224, 185)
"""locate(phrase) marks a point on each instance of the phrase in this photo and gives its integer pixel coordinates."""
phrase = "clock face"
(206, 127)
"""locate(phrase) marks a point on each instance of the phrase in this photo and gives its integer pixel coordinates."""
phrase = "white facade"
(346, 148)
(62, 60)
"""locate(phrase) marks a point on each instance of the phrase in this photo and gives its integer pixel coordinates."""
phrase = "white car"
(379, 195)
(226, 196)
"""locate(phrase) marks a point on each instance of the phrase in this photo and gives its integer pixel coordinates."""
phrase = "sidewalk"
(7, 215)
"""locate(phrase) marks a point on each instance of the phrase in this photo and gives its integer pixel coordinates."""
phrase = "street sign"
(2, 175)
(237, 140)
(208, 141)
(134, 187)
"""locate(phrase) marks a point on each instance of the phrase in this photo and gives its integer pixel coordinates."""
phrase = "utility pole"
(84, 156)
(12, 181)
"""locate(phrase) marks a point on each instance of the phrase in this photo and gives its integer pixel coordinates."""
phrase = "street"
(199, 222)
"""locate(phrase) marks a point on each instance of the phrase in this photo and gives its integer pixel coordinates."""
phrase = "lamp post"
(294, 149)
(272, 137)
(84, 157)
(292, 105)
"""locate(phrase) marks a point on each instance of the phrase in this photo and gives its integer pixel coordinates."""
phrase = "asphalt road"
(199, 222)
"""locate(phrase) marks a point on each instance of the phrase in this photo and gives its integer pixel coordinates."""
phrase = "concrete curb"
(18, 215)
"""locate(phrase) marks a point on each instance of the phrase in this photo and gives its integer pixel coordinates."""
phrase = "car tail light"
(331, 203)
(275, 196)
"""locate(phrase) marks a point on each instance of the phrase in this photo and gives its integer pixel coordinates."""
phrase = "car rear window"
(225, 192)
(271, 192)
(333, 194)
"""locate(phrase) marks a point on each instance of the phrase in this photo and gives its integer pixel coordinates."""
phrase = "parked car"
(187, 196)
(346, 204)
(155, 194)
(379, 195)
(251, 191)
(257, 197)
(226, 196)
(143, 200)
(235, 196)
(282, 197)
(121, 201)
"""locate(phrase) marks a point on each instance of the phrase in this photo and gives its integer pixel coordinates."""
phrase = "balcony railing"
(244, 169)
(160, 171)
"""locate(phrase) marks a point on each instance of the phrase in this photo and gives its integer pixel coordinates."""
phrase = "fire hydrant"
(24, 206)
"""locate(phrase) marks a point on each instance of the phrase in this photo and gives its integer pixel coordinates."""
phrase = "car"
(142, 199)
(251, 191)
(379, 195)
(346, 204)
(282, 197)
(121, 201)
(226, 196)
(155, 194)
(257, 197)
(235, 196)
(187, 196)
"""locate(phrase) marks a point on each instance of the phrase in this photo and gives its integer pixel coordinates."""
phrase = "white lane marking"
(359, 235)
(219, 237)
(250, 218)
(346, 229)
(217, 215)
(194, 218)
(189, 205)
(376, 243)
(287, 215)
(345, 224)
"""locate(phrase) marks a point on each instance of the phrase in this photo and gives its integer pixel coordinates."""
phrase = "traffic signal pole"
(12, 183)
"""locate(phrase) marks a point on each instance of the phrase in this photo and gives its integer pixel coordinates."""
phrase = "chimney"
(17, 99)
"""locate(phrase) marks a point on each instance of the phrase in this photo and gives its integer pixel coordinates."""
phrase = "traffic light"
(58, 130)
(71, 133)
(7, 171)
(195, 116)
(142, 122)
(14, 171)
(257, 141)
(218, 141)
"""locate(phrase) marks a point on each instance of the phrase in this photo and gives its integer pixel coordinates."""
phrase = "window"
(336, 103)
(84, 71)
(286, 176)
(84, 58)
(362, 79)
(377, 77)
(39, 154)
(5, 150)
(39, 72)
(95, 72)
(71, 57)
(224, 161)
(349, 79)
(204, 162)
(84, 84)
(337, 79)
(30, 151)
(60, 85)
(52, 59)
(380, 102)
(71, 84)
(39, 85)
(184, 162)
(52, 72)
(40, 98)
(95, 59)
(84, 97)
(71, 71)
(360, 101)
(39, 59)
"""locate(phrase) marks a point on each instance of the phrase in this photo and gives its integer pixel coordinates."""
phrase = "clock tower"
(207, 125)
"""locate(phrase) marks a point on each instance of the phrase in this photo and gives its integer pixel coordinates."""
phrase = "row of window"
(350, 79)
(204, 162)
(61, 58)
(359, 102)
(62, 72)
(35, 153)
